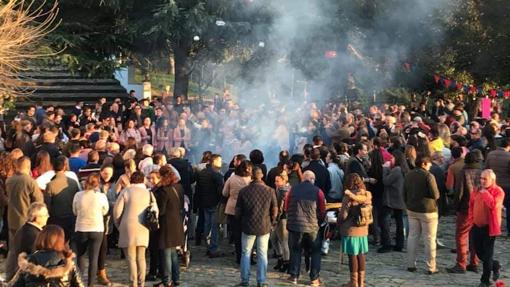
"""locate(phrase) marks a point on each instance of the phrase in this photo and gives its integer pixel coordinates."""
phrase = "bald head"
(309, 176)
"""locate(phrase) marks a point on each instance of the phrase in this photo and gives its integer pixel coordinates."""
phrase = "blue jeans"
(211, 227)
(311, 242)
(262, 245)
(171, 265)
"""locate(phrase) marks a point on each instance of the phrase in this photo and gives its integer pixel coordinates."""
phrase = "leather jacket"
(46, 268)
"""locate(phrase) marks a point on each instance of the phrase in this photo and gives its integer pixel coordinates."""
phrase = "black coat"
(209, 187)
(46, 269)
(23, 243)
(170, 201)
(322, 177)
(186, 172)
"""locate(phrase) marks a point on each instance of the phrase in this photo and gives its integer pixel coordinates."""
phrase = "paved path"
(383, 270)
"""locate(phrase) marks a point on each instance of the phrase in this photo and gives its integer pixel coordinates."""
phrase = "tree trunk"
(182, 72)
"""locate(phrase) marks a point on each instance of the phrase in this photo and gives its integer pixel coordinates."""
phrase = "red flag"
(459, 86)
(436, 78)
(447, 83)
(472, 89)
(506, 94)
(493, 93)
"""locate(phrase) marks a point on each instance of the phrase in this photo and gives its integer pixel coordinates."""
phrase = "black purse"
(150, 217)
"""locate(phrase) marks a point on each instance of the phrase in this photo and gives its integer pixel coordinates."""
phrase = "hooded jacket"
(46, 268)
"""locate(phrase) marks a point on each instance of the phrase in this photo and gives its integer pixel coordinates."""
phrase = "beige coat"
(231, 190)
(128, 214)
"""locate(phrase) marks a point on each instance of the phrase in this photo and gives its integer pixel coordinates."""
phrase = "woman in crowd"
(107, 187)
(164, 136)
(171, 234)
(130, 131)
(280, 234)
(42, 163)
(133, 235)
(51, 264)
(89, 206)
(354, 237)
(125, 179)
(393, 201)
(240, 179)
(147, 132)
(155, 254)
(182, 135)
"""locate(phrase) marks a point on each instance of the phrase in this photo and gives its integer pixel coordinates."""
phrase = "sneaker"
(292, 280)
(316, 282)
(456, 269)
(411, 269)
(472, 268)
(496, 268)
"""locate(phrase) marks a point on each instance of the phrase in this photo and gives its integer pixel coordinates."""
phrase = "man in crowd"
(305, 206)
(322, 177)
(468, 180)
(485, 208)
(499, 161)
(22, 191)
(421, 195)
(207, 197)
(59, 197)
(256, 209)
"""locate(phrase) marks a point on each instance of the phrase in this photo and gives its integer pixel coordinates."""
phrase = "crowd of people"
(151, 174)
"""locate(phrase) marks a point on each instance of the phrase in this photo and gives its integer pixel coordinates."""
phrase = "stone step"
(78, 89)
(51, 75)
(69, 82)
(63, 96)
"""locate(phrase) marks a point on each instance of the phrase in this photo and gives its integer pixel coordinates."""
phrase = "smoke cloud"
(310, 50)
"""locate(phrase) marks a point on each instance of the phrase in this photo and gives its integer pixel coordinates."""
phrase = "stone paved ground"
(383, 270)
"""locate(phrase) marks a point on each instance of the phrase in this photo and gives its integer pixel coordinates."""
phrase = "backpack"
(362, 214)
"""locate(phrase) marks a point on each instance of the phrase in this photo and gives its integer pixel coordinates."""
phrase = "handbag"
(150, 217)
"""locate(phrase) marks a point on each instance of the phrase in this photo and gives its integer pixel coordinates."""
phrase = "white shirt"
(90, 206)
(46, 177)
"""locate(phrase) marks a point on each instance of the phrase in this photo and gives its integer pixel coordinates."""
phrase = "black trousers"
(102, 253)
(235, 228)
(155, 255)
(90, 241)
(484, 248)
(385, 219)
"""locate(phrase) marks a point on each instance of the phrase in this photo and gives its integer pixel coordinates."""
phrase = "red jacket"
(493, 199)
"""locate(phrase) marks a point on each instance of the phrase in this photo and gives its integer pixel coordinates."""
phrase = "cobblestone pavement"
(383, 270)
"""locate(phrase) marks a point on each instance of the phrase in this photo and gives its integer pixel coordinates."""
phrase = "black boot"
(285, 266)
(279, 264)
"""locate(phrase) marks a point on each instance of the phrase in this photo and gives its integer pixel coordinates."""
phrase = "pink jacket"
(179, 139)
(164, 139)
(144, 136)
(493, 199)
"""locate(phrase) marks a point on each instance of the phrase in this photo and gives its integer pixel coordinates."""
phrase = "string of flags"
(470, 89)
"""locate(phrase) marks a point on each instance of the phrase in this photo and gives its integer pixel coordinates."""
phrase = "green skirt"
(354, 245)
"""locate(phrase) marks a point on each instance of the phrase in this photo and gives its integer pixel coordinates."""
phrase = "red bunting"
(436, 78)
(493, 93)
(506, 94)
(447, 83)
(472, 89)
(459, 86)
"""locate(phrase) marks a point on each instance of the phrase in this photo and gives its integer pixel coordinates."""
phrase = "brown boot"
(102, 279)
(353, 282)
(361, 279)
